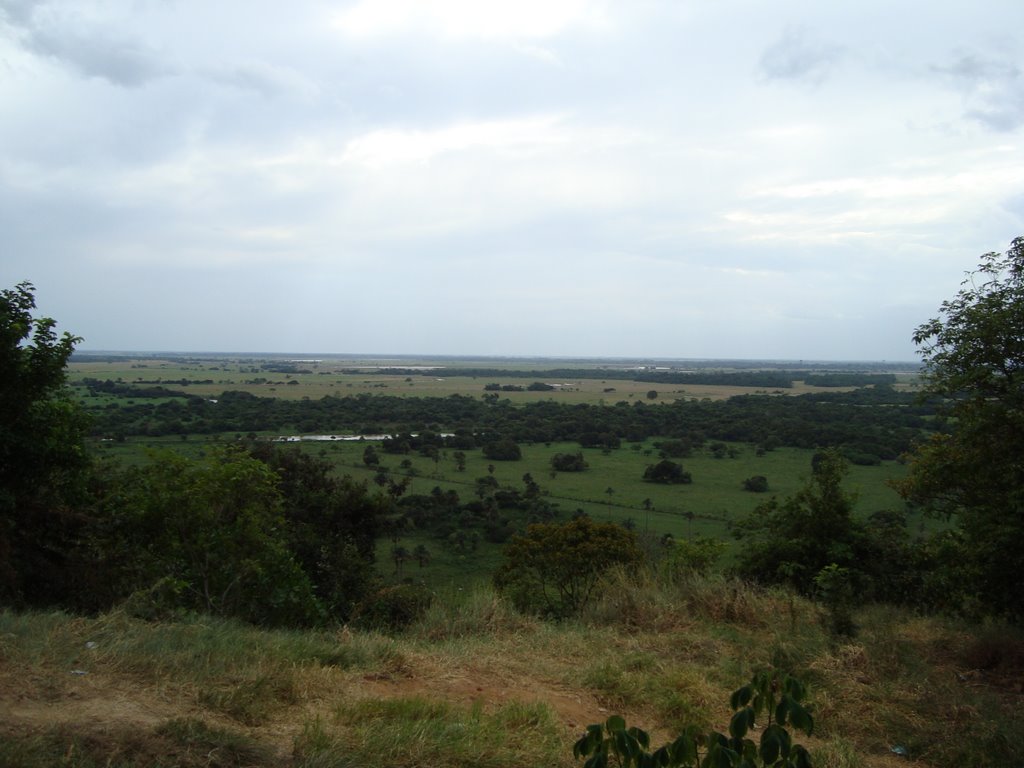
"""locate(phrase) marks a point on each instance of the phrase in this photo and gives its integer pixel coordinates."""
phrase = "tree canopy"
(42, 456)
(973, 353)
(556, 568)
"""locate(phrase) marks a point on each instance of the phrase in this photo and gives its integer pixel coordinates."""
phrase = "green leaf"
(615, 723)
(741, 722)
(794, 688)
(684, 749)
(775, 742)
(741, 697)
(800, 757)
(801, 718)
(641, 736)
(720, 756)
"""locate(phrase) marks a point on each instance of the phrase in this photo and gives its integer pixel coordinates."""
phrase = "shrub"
(768, 693)
(568, 462)
(756, 484)
(393, 608)
(555, 569)
(667, 472)
(502, 450)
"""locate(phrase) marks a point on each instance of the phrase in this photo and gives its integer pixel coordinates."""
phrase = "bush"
(556, 569)
(502, 450)
(393, 608)
(667, 472)
(756, 484)
(768, 693)
(568, 462)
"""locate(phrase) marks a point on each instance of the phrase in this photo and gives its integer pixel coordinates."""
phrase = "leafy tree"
(331, 526)
(216, 528)
(370, 457)
(502, 450)
(667, 472)
(43, 464)
(568, 462)
(556, 569)
(973, 355)
(756, 484)
(422, 555)
(791, 541)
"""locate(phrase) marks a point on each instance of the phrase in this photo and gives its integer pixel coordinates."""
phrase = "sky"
(565, 178)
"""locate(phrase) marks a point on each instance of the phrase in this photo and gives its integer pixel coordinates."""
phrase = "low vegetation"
(231, 604)
(474, 682)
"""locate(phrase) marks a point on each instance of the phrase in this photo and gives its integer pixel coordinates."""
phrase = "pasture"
(611, 489)
(206, 376)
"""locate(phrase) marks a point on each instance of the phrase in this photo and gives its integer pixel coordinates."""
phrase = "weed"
(253, 701)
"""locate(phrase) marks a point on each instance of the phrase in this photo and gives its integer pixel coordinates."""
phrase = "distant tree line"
(871, 424)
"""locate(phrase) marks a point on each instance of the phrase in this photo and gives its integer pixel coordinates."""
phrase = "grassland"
(705, 508)
(474, 684)
(345, 376)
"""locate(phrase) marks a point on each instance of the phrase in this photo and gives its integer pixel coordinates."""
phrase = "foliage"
(42, 459)
(502, 450)
(769, 693)
(555, 569)
(881, 422)
(216, 527)
(568, 462)
(331, 526)
(393, 608)
(836, 590)
(791, 541)
(667, 472)
(697, 555)
(756, 484)
(974, 361)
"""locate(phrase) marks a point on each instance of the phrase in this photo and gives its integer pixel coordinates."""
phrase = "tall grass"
(663, 652)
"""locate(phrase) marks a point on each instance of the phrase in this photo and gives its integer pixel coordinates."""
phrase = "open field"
(426, 378)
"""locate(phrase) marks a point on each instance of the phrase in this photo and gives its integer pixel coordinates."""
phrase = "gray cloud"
(993, 90)
(623, 187)
(796, 56)
(83, 44)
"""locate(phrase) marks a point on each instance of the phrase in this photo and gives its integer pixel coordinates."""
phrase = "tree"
(216, 529)
(370, 457)
(973, 355)
(667, 472)
(791, 541)
(756, 484)
(556, 569)
(331, 526)
(568, 462)
(502, 450)
(43, 463)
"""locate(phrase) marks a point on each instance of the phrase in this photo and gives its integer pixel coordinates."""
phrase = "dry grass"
(478, 684)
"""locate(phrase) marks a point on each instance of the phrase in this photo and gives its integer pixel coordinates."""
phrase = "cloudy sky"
(687, 178)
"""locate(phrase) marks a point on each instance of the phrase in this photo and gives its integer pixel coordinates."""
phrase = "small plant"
(612, 743)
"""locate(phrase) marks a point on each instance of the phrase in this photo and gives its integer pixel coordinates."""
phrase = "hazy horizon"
(304, 356)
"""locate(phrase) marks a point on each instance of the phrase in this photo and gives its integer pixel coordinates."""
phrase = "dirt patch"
(90, 699)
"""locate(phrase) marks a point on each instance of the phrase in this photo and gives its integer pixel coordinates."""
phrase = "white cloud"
(465, 19)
